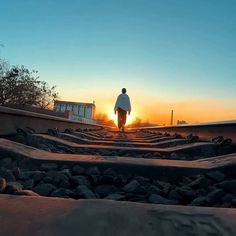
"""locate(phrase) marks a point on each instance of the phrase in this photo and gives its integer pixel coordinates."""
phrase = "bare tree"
(20, 86)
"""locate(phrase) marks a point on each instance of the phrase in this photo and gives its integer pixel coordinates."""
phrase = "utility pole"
(171, 117)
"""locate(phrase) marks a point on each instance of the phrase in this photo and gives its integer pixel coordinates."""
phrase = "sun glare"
(130, 118)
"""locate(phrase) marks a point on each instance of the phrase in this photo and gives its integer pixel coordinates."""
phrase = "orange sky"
(157, 110)
(192, 111)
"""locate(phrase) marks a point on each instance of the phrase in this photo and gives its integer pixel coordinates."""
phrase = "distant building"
(181, 122)
(75, 110)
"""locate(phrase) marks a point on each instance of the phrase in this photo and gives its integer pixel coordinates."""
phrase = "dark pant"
(121, 117)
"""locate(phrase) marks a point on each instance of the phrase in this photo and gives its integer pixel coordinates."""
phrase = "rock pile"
(214, 189)
(54, 146)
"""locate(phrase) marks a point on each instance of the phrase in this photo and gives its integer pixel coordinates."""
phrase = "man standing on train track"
(122, 106)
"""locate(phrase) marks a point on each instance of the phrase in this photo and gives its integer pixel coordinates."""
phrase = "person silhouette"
(122, 106)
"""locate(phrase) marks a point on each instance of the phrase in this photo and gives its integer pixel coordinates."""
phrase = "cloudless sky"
(169, 54)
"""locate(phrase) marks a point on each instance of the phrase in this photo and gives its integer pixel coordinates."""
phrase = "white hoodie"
(123, 102)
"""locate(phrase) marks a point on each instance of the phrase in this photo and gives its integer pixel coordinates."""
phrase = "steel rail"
(205, 131)
(11, 119)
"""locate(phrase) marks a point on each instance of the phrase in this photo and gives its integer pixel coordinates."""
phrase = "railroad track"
(172, 180)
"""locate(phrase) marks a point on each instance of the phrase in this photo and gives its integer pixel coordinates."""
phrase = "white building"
(79, 109)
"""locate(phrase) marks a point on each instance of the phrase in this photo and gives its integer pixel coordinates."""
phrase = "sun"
(130, 118)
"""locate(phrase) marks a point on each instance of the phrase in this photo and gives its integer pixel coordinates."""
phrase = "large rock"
(142, 180)
(227, 198)
(43, 147)
(116, 196)
(228, 185)
(200, 182)
(108, 179)
(95, 179)
(62, 192)
(174, 156)
(186, 180)
(64, 184)
(109, 171)
(215, 196)
(108, 176)
(66, 172)
(147, 155)
(106, 152)
(56, 176)
(134, 187)
(139, 155)
(156, 154)
(199, 201)
(38, 176)
(174, 195)
(47, 180)
(3, 184)
(44, 189)
(13, 187)
(49, 166)
(104, 190)
(187, 193)
(25, 163)
(28, 184)
(113, 153)
(82, 191)
(120, 180)
(77, 170)
(216, 176)
(80, 180)
(134, 197)
(164, 186)
(93, 171)
(226, 205)
(25, 175)
(155, 190)
(64, 167)
(6, 162)
(16, 171)
(154, 198)
(234, 202)
(9, 176)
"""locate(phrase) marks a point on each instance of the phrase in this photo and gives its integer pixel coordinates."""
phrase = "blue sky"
(162, 50)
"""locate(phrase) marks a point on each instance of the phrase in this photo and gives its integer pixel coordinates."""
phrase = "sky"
(168, 54)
